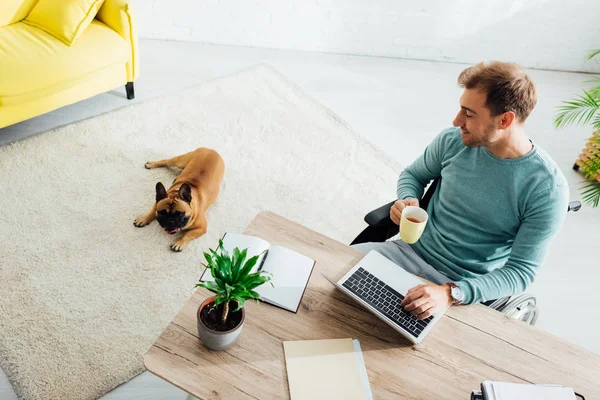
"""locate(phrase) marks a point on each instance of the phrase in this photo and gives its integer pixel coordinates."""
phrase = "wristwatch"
(458, 296)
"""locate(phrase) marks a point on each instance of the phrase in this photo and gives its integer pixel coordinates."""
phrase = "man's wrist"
(448, 290)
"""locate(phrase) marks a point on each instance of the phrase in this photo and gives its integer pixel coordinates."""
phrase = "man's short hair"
(507, 86)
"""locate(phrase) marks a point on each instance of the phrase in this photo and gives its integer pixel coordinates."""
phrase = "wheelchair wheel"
(522, 308)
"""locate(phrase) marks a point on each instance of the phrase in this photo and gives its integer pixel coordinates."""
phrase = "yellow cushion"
(65, 19)
(33, 62)
(12, 11)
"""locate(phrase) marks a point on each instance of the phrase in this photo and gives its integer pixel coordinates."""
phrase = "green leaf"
(248, 266)
(596, 125)
(215, 257)
(210, 263)
(240, 301)
(216, 268)
(229, 289)
(226, 270)
(236, 269)
(590, 168)
(208, 258)
(234, 261)
(220, 283)
(247, 294)
(591, 194)
(224, 253)
(595, 87)
(255, 281)
(209, 285)
(593, 54)
(578, 111)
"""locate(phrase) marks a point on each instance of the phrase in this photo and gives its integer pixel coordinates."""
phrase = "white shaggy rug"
(83, 292)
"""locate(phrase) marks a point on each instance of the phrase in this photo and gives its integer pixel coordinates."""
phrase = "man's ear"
(185, 193)
(161, 192)
(507, 119)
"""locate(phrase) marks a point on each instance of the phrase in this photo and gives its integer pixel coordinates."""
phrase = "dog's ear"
(185, 193)
(161, 192)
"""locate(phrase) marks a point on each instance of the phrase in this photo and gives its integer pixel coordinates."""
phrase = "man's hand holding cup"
(399, 205)
(411, 218)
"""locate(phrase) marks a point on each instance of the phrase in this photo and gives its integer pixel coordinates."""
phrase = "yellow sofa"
(39, 73)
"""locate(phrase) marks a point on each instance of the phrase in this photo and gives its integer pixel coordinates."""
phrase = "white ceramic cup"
(412, 223)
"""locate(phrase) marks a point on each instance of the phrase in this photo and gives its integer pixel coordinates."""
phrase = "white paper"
(290, 272)
(518, 391)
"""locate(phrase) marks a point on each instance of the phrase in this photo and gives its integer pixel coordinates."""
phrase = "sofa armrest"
(119, 16)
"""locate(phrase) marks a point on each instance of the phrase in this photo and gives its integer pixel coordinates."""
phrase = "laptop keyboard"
(384, 299)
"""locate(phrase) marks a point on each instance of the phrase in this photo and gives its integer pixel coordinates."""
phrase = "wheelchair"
(522, 307)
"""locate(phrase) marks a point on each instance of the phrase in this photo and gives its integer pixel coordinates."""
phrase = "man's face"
(477, 126)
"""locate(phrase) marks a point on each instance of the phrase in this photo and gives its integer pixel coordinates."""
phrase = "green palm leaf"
(583, 110)
(595, 87)
(596, 122)
(579, 111)
(590, 167)
(591, 193)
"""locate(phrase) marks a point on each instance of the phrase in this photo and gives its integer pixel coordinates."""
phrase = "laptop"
(379, 285)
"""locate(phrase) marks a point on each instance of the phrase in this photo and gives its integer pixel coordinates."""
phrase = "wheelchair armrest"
(380, 216)
(574, 206)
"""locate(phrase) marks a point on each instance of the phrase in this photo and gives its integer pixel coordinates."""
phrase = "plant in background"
(583, 110)
(233, 280)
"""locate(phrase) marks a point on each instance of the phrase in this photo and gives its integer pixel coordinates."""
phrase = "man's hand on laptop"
(424, 300)
(399, 205)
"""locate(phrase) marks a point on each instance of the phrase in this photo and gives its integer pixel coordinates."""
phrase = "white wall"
(549, 34)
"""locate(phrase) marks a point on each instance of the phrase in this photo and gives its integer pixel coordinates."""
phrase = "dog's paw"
(141, 222)
(150, 165)
(178, 246)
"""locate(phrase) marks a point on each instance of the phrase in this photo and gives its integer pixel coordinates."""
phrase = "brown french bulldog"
(183, 207)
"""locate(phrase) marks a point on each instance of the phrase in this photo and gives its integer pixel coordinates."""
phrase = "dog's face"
(173, 212)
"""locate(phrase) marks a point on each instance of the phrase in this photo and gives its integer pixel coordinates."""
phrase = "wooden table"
(470, 344)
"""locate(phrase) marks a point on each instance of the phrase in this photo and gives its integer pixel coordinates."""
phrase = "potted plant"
(583, 110)
(221, 317)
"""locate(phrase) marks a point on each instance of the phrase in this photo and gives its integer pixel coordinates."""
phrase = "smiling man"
(500, 201)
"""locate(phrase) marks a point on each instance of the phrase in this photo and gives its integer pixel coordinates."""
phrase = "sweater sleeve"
(538, 227)
(413, 180)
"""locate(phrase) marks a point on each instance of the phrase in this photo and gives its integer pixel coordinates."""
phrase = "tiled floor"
(400, 105)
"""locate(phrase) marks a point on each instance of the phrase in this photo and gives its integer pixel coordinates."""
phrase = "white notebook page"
(291, 272)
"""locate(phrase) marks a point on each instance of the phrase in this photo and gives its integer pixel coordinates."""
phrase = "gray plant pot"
(217, 340)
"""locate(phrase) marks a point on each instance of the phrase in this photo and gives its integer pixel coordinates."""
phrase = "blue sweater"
(491, 220)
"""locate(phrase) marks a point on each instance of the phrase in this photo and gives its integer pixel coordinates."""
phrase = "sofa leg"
(129, 90)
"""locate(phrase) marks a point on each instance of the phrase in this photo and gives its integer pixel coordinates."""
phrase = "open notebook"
(291, 271)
